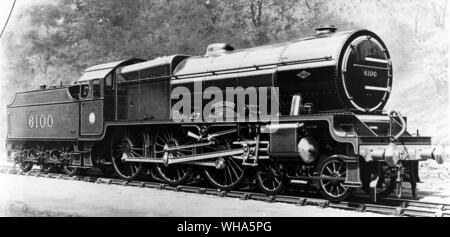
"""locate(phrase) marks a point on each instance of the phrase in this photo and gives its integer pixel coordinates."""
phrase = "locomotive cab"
(97, 93)
(143, 89)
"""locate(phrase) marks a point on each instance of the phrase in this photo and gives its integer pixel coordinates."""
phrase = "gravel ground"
(31, 196)
(435, 186)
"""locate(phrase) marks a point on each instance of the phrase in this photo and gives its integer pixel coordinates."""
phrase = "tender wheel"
(56, 155)
(386, 182)
(333, 190)
(45, 167)
(19, 156)
(31, 154)
(127, 147)
(228, 174)
(25, 166)
(70, 171)
(172, 174)
(270, 178)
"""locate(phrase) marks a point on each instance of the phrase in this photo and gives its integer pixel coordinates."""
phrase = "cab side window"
(84, 90)
(96, 88)
(109, 81)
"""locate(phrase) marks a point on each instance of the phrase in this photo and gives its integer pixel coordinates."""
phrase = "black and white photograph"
(224, 109)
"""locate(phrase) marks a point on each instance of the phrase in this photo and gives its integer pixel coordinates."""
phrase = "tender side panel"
(58, 121)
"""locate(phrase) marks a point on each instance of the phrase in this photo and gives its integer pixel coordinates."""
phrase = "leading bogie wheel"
(271, 178)
(332, 171)
(386, 181)
(128, 146)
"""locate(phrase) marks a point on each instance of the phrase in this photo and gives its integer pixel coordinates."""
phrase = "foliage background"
(54, 41)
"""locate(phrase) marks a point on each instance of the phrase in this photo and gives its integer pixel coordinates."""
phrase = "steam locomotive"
(329, 131)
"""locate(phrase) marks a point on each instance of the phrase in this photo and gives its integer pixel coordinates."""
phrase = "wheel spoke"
(332, 188)
(237, 165)
(343, 174)
(277, 180)
(264, 179)
(166, 137)
(225, 177)
(179, 173)
(135, 168)
(136, 154)
(230, 175)
(233, 169)
(337, 189)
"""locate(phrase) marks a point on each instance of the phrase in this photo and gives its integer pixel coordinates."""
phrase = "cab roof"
(102, 70)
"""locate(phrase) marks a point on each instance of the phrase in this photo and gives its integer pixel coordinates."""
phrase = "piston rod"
(193, 159)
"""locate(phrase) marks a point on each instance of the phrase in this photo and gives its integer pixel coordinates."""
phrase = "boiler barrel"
(349, 70)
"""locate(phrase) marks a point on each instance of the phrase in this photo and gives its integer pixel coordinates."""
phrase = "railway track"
(358, 203)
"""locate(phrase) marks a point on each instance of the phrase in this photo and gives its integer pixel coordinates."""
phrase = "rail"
(359, 203)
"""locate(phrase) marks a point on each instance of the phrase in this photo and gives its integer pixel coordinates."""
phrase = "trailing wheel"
(172, 174)
(67, 168)
(124, 147)
(228, 173)
(271, 178)
(332, 171)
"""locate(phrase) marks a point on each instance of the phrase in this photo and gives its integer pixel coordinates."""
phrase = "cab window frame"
(95, 88)
(84, 93)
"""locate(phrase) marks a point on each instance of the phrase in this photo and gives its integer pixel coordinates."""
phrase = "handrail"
(393, 114)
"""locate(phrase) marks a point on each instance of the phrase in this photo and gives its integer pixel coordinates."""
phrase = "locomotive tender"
(331, 131)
